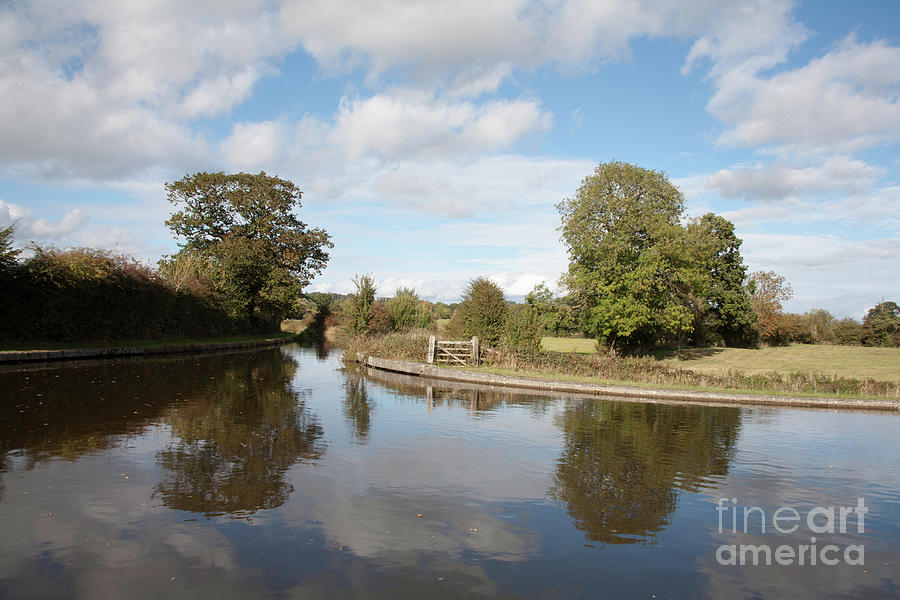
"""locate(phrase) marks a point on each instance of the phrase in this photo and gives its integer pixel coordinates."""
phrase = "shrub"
(84, 294)
(406, 311)
(483, 310)
(358, 306)
(847, 332)
(523, 329)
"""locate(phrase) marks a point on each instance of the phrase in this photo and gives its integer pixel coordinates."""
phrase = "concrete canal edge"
(18, 356)
(510, 381)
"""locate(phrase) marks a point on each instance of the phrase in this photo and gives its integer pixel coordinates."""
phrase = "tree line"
(641, 276)
(242, 266)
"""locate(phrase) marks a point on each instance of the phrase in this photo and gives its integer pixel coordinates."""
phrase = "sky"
(433, 140)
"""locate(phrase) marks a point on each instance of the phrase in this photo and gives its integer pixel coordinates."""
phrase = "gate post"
(476, 351)
(429, 358)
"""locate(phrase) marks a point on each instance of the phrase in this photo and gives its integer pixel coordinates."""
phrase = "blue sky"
(433, 139)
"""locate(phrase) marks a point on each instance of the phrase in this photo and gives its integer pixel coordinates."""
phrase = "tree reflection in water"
(237, 440)
(623, 464)
(356, 405)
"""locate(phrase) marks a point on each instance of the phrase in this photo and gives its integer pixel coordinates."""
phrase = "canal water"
(279, 473)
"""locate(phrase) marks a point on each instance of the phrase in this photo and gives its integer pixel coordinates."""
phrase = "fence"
(454, 352)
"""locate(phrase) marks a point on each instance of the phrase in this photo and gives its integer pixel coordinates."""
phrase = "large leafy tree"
(630, 265)
(726, 312)
(244, 227)
(881, 325)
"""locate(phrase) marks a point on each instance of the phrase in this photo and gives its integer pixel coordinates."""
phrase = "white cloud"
(27, 227)
(219, 93)
(477, 80)
(252, 146)
(435, 37)
(407, 122)
(843, 101)
(104, 89)
(747, 37)
(101, 89)
(829, 271)
(773, 181)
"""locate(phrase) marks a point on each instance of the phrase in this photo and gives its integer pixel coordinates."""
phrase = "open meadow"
(859, 362)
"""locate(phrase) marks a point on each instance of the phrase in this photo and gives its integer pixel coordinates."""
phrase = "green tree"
(524, 328)
(482, 311)
(629, 263)
(847, 332)
(360, 306)
(821, 325)
(406, 310)
(767, 291)
(540, 301)
(243, 227)
(8, 255)
(881, 325)
(727, 314)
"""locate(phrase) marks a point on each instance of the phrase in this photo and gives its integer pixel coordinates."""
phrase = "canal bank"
(22, 356)
(645, 394)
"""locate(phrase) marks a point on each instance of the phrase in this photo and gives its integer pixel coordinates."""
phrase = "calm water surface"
(278, 473)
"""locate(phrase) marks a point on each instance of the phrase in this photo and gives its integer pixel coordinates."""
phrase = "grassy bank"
(645, 371)
(542, 375)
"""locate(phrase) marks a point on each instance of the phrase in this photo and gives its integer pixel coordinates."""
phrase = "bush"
(847, 332)
(483, 311)
(523, 329)
(406, 311)
(821, 325)
(84, 294)
(796, 329)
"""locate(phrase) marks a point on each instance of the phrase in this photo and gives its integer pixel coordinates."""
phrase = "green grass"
(858, 362)
(442, 324)
(141, 343)
(564, 344)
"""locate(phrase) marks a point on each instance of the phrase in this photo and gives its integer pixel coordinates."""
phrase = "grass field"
(564, 344)
(442, 324)
(858, 362)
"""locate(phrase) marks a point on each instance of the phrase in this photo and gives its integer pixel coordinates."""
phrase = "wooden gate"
(463, 352)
